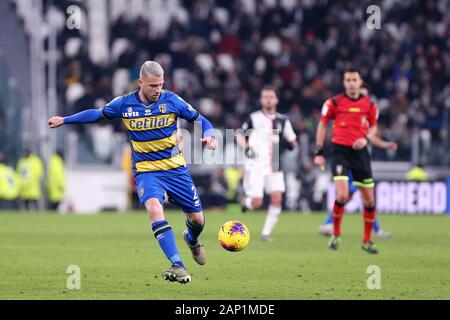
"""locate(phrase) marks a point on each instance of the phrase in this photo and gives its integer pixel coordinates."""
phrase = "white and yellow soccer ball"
(234, 236)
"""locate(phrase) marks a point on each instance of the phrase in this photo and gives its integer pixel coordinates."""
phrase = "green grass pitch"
(120, 259)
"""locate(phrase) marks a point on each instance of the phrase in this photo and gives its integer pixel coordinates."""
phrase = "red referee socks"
(369, 218)
(338, 212)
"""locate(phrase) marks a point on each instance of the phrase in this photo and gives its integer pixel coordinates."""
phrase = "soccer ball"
(234, 236)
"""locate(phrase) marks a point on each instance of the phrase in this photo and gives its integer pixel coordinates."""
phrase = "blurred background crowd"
(222, 52)
(217, 55)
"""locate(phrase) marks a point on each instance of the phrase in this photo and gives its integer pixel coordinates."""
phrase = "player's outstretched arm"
(86, 116)
(383, 144)
(55, 122)
(376, 141)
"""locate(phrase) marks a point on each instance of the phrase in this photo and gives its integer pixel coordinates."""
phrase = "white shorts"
(256, 183)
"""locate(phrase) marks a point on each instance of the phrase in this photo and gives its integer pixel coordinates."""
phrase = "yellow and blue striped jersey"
(152, 129)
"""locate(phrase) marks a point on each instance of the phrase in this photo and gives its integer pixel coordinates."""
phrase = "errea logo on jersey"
(130, 113)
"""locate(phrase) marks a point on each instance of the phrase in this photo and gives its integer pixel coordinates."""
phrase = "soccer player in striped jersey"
(150, 115)
(267, 130)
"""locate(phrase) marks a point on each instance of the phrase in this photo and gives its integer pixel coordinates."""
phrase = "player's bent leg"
(251, 203)
(154, 209)
(382, 234)
(329, 218)
(197, 218)
(342, 196)
(273, 214)
(379, 232)
(275, 186)
(326, 228)
(342, 190)
(254, 190)
(367, 196)
(195, 223)
(164, 235)
(183, 193)
(276, 198)
(369, 214)
(256, 203)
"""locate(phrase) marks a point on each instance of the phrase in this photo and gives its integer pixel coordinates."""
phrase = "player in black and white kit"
(265, 131)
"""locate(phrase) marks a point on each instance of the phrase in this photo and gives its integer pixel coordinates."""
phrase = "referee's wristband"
(319, 151)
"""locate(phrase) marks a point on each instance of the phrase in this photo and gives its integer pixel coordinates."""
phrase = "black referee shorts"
(358, 161)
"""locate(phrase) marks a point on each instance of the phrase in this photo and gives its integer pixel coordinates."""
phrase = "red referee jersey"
(352, 117)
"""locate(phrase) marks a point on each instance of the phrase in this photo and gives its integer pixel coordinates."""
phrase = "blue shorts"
(179, 187)
(352, 188)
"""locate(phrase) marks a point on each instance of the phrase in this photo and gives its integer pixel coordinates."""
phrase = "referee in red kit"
(354, 127)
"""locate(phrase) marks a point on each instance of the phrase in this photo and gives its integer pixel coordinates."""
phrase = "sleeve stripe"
(334, 102)
(250, 122)
(105, 115)
(194, 118)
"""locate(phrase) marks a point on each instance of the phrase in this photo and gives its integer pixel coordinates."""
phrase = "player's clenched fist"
(55, 122)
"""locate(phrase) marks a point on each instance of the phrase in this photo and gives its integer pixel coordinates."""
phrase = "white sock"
(273, 213)
(248, 203)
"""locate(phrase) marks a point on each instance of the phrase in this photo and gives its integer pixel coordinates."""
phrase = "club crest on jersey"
(339, 169)
(163, 108)
(130, 113)
(363, 120)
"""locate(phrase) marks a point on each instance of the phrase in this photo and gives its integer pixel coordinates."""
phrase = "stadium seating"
(205, 48)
